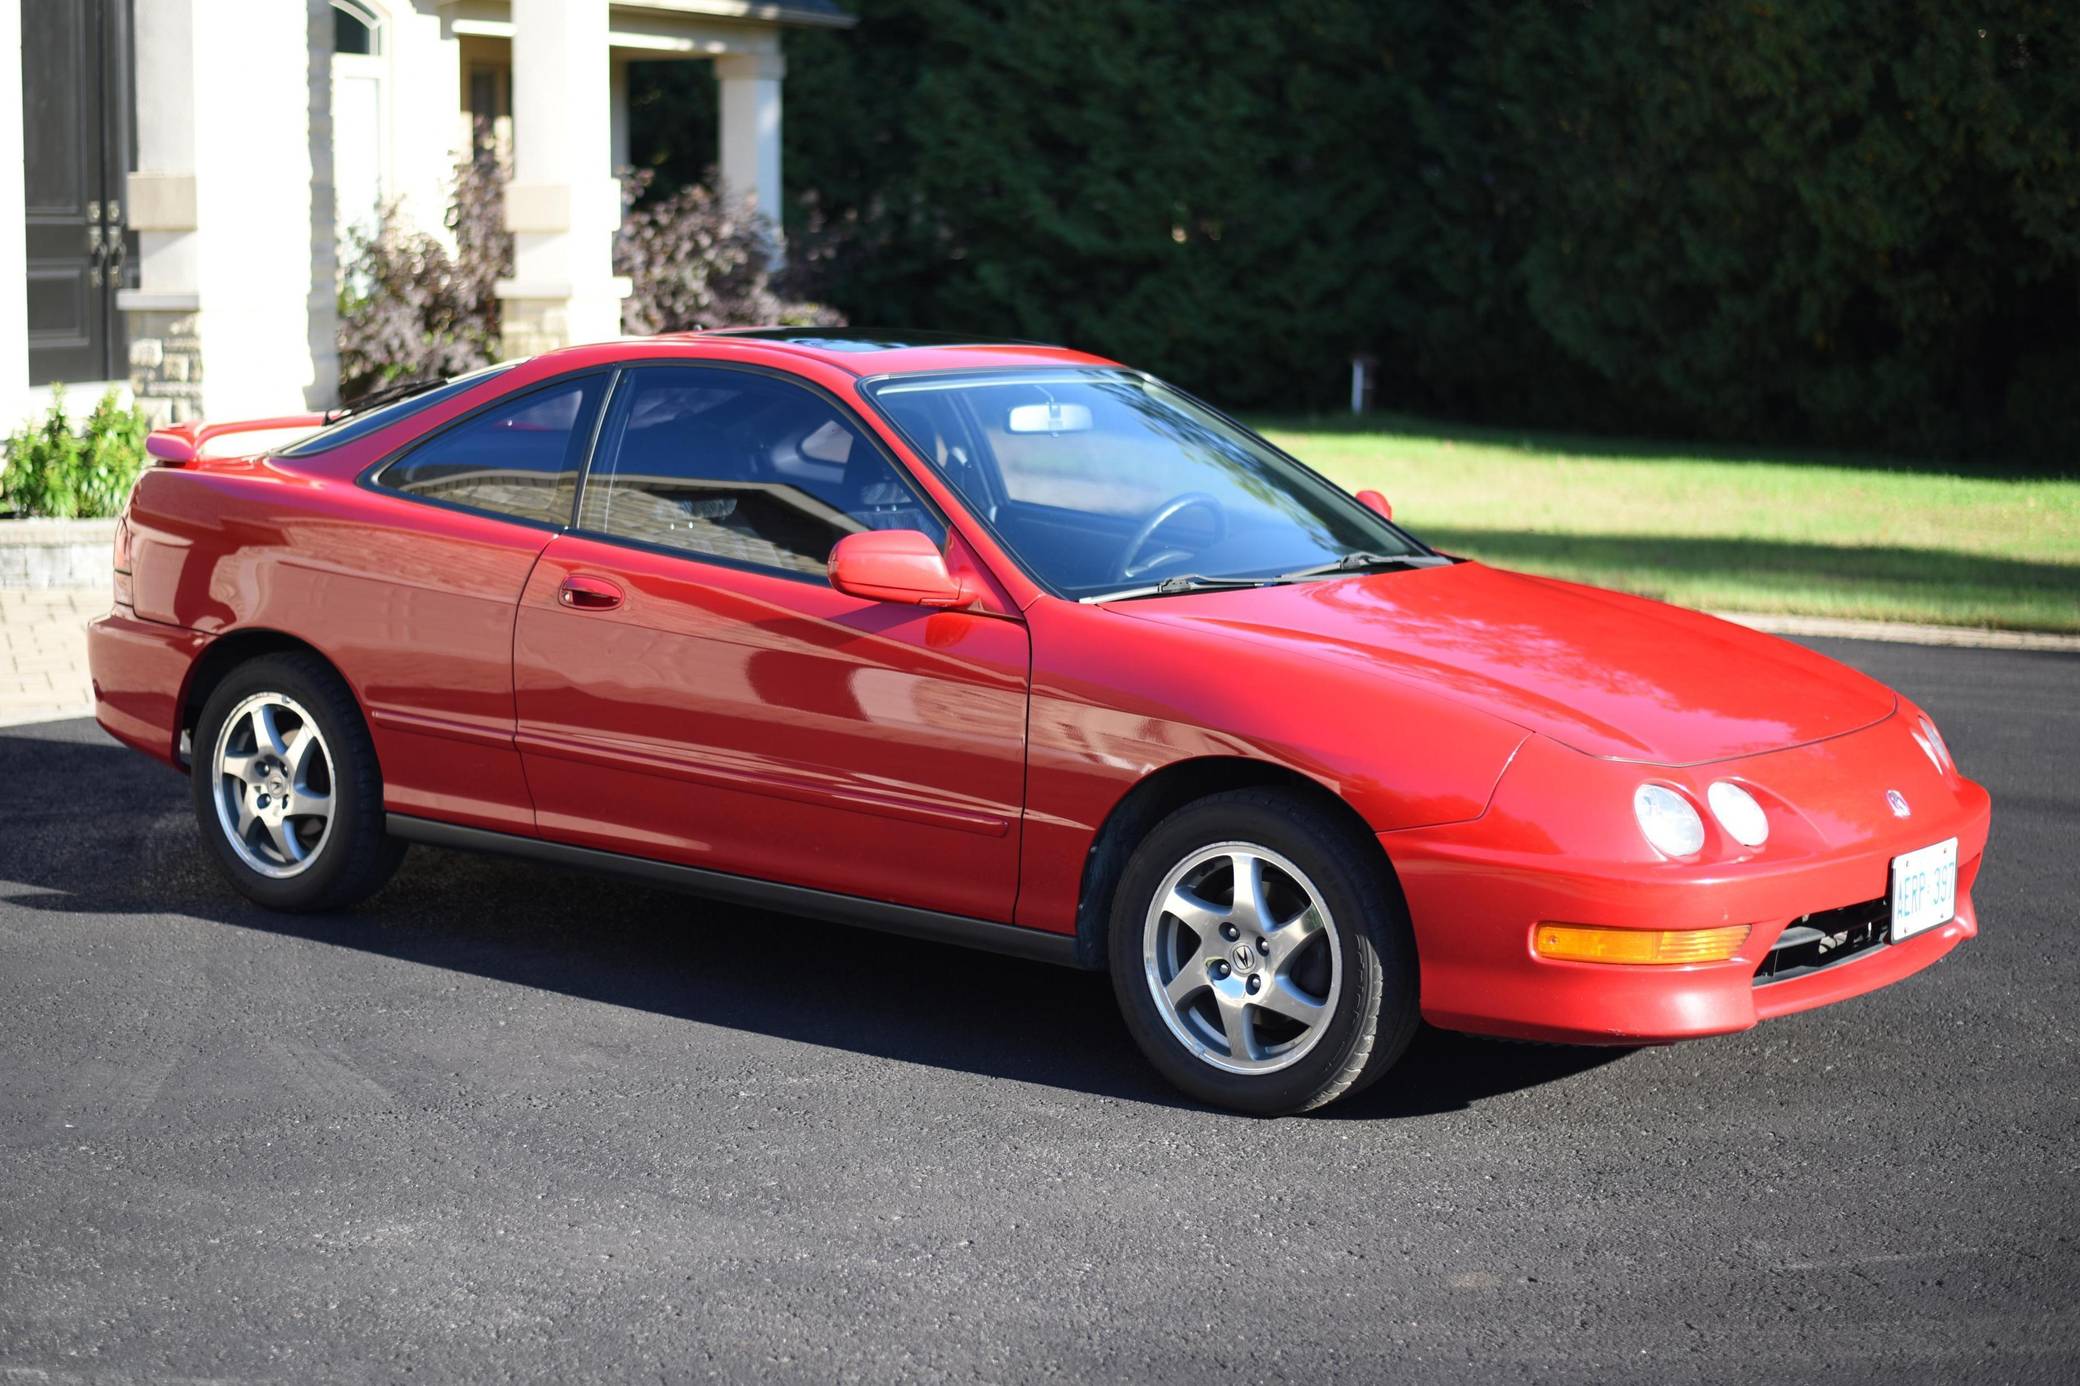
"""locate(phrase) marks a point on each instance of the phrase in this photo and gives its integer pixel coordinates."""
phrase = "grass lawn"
(1819, 535)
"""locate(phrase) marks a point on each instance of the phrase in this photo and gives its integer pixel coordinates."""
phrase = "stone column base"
(166, 364)
(534, 319)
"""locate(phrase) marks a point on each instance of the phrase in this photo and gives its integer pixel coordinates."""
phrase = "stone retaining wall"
(40, 554)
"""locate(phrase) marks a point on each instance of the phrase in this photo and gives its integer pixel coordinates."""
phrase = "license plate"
(1924, 889)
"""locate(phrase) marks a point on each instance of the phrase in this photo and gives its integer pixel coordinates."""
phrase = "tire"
(249, 785)
(1338, 938)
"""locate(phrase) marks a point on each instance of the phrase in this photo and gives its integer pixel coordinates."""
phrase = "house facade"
(189, 170)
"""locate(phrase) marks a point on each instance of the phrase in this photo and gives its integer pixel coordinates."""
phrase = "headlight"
(1738, 813)
(1667, 820)
(1932, 742)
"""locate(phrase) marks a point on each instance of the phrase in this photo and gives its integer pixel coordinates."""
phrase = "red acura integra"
(1011, 646)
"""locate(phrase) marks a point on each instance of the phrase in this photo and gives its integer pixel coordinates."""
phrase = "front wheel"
(287, 791)
(1260, 954)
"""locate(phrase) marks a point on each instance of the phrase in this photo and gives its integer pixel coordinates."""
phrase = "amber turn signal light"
(1584, 943)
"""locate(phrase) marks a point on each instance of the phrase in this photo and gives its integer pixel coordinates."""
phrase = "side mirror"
(1376, 503)
(896, 565)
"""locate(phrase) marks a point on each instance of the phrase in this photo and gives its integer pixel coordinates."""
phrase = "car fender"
(1115, 701)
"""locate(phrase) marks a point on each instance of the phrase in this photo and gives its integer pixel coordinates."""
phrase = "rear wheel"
(1261, 957)
(287, 791)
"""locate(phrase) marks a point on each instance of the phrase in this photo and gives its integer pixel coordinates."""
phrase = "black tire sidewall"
(1366, 915)
(355, 820)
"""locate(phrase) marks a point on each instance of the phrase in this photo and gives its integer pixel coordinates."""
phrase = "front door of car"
(690, 687)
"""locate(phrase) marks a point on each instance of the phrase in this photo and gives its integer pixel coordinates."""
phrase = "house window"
(356, 29)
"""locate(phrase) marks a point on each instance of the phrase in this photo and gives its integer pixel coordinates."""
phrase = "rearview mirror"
(1051, 417)
(896, 565)
(1376, 503)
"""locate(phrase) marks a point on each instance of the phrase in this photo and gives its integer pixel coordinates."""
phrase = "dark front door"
(76, 104)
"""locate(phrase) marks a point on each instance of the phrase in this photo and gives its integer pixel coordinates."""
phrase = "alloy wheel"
(273, 785)
(1238, 951)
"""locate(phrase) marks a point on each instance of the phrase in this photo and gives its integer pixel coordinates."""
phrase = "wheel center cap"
(1245, 957)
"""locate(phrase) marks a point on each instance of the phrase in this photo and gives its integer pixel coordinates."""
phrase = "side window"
(740, 467)
(520, 458)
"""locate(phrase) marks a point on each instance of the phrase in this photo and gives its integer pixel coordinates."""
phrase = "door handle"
(588, 594)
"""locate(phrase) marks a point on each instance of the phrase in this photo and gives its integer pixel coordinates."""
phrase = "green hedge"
(1780, 220)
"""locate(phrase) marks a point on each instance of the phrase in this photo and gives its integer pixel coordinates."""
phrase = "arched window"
(356, 29)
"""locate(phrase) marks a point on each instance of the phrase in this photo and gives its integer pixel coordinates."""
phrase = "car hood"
(1609, 675)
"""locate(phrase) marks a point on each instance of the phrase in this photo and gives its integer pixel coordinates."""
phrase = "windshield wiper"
(361, 404)
(1174, 586)
(1361, 562)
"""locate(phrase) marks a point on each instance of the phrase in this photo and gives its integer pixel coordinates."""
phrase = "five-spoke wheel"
(287, 789)
(274, 784)
(1237, 949)
(1261, 952)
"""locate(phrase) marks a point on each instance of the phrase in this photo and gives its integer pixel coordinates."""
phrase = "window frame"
(368, 17)
(371, 477)
(845, 412)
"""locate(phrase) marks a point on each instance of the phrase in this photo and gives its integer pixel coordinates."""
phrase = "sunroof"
(862, 339)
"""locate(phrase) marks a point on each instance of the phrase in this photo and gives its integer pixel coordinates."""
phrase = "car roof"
(864, 352)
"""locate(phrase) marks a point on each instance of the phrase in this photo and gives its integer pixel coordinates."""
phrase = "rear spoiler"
(182, 444)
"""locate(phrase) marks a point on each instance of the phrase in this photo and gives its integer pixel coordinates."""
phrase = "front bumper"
(1558, 845)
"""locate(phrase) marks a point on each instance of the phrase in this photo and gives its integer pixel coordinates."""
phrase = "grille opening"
(1818, 941)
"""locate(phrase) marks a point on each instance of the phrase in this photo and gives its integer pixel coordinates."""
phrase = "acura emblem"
(1244, 958)
(1898, 802)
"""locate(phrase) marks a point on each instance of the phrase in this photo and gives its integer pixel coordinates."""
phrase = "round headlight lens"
(1738, 813)
(1667, 820)
(1932, 742)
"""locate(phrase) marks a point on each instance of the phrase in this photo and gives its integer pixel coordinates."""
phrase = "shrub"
(409, 308)
(698, 260)
(54, 471)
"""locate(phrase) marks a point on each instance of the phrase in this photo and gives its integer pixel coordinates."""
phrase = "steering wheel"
(1157, 518)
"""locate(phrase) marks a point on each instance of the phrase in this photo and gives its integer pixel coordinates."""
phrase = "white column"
(14, 248)
(750, 135)
(233, 313)
(564, 204)
(426, 138)
(162, 191)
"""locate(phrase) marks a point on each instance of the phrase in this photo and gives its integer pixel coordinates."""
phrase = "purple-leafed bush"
(410, 307)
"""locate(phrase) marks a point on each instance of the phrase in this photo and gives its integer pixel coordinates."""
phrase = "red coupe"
(1012, 646)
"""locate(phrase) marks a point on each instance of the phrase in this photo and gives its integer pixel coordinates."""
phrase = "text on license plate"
(1924, 889)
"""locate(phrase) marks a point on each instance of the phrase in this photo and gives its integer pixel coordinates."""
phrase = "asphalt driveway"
(510, 1123)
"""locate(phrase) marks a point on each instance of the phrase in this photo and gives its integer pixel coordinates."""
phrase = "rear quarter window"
(519, 458)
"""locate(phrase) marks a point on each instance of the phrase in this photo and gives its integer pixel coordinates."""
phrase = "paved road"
(511, 1123)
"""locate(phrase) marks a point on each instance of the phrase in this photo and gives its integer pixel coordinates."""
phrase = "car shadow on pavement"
(623, 944)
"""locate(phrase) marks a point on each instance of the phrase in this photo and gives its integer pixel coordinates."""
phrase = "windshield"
(363, 422)
(1104, 483)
